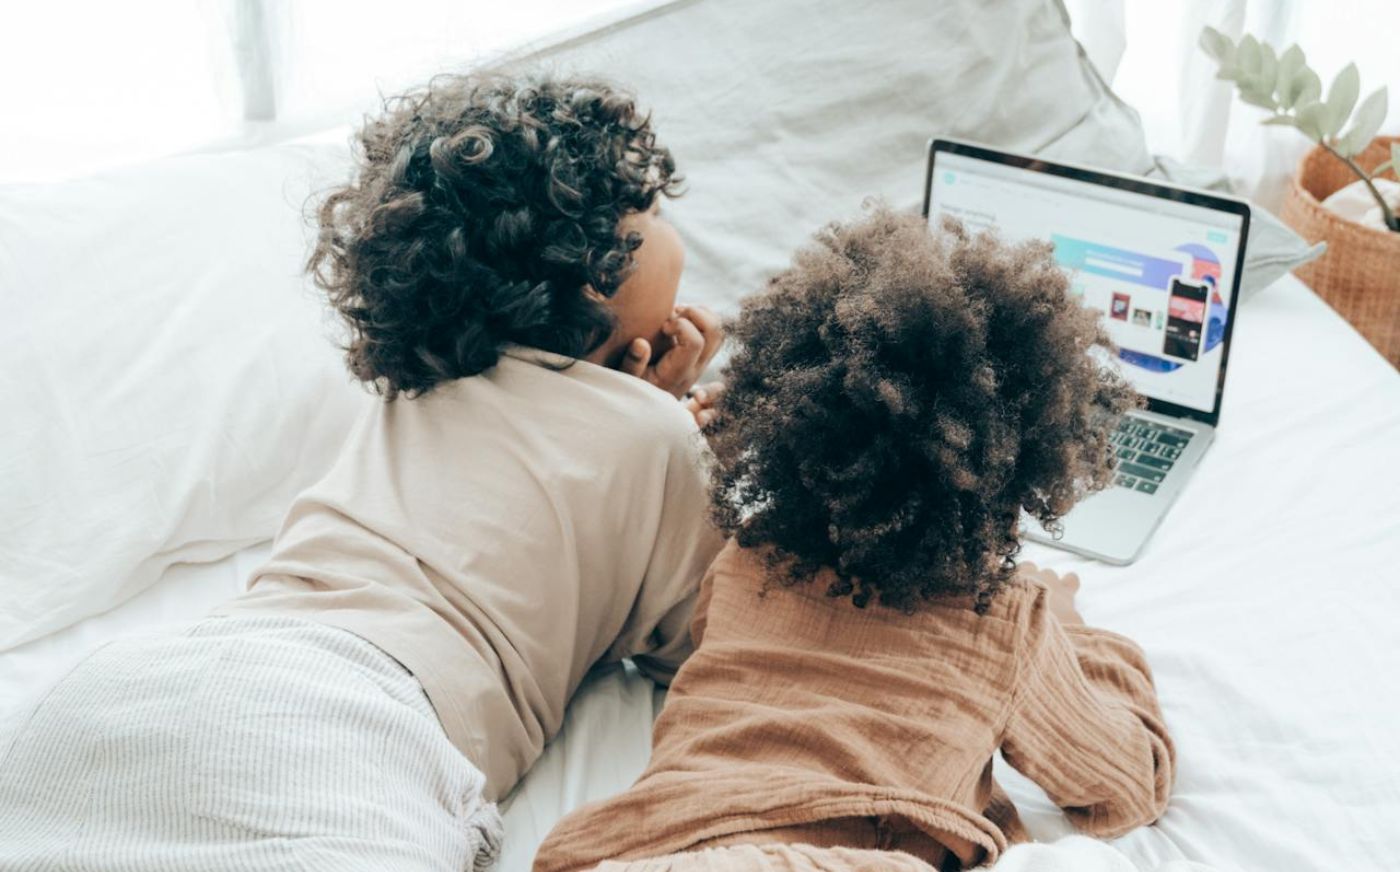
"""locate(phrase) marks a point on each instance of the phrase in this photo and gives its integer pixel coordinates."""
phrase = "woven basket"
(1359, 276)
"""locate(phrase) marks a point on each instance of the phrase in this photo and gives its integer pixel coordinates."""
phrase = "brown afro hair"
(895, 399)
(482, 207)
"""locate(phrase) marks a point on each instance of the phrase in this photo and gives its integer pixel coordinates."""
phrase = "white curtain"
(326, 61)
(1149, 52)
(90, 85)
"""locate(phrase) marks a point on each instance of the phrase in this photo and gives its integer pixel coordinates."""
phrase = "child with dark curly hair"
(866, 642)
(528, 501)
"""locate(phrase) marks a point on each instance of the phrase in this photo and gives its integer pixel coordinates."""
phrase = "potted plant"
(1359, 275)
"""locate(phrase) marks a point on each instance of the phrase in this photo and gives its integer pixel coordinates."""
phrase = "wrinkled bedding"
(1266, 603)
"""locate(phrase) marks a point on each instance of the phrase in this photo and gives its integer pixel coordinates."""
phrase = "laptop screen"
(1161, 270)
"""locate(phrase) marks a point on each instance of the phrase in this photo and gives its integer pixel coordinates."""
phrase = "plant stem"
(1386, 212)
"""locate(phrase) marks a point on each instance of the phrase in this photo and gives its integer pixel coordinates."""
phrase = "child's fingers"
(686, 334)
(635, 360)
(701, 414)
(676, 370)
(702, 316)
(707, 395)
(708, 323)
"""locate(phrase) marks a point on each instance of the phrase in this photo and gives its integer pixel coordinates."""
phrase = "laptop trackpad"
(1111, 525)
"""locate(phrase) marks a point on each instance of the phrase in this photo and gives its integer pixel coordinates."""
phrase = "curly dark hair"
(482, 206)
(897, 397)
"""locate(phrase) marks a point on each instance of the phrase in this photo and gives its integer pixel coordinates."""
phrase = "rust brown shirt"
(800, 713)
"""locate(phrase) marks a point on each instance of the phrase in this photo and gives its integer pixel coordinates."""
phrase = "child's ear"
(592, 293)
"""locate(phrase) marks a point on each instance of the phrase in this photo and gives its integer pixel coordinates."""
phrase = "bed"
(179, 384)
(1267, 605)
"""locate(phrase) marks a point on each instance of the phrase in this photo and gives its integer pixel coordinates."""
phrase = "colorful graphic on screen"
(1200, 310)
(1186, 317)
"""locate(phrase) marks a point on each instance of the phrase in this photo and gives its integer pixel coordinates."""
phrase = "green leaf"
(1364, 126)
(1228, 70)
(1249, 72)
(1309, 119)
(1290, 64)
(1267, 74)
(1247, 57)
(1310, 88)
(1216, 44)
(1341, 99)
(1392, 165)
(1255, 96)
(1281, 121)
(1304, 87)
(1221, 49)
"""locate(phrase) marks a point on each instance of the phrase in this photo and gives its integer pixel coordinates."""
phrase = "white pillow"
(786, 114)
(1273, 249)
(168, 384)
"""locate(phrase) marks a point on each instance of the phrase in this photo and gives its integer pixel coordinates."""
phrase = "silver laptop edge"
(1115, 524)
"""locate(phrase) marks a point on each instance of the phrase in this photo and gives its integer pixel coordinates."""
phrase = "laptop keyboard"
(1146, 451)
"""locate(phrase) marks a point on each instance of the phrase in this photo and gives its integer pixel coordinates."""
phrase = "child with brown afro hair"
(866, 642)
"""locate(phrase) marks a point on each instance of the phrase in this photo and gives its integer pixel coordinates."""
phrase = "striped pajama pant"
(773, 858)
(264, 743)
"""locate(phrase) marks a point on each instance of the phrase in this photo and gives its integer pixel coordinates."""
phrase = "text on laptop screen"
(1161, 271)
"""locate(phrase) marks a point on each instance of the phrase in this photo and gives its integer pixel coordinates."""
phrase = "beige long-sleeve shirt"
(501, 535)
(801, 718)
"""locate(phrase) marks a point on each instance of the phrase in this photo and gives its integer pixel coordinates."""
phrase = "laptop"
(1163, 265)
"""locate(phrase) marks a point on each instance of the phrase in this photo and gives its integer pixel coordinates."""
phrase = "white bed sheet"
(1268, 605)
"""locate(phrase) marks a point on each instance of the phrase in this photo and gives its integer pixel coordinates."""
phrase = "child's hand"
(1062, 590)
(701, 403)
(695, 336)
